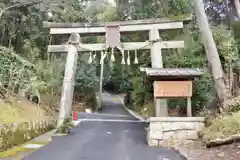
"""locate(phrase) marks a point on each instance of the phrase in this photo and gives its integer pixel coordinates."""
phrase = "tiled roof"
(172, 73)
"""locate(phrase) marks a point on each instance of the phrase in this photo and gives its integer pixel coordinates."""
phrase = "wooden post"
(101, 80)
(69, 79)
(189, 107)
(157, 62)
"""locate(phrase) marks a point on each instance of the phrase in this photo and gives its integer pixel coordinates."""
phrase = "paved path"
(112, 134)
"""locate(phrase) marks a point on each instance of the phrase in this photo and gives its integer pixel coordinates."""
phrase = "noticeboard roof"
(172, 73)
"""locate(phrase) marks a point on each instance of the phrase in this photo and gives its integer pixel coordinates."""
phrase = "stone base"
(172, 131)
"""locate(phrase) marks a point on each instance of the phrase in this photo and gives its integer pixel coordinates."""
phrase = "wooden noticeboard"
(171, 89)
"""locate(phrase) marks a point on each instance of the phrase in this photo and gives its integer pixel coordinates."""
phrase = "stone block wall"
(171, 131)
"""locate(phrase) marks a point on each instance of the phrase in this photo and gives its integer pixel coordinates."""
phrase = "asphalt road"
(112, 134)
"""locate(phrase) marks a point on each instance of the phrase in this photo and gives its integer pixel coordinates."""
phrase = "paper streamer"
(128, 59)
(136, 58)
(103, 56)
(123, 57)
(90, 58)
(112, 55)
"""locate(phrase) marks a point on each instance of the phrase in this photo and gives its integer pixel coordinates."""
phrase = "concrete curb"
(134, 114)
(44, 136)
(76, 122)
(181, 152)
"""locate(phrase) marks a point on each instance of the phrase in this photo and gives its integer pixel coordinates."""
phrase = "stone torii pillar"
(157, 62)
(69, 79)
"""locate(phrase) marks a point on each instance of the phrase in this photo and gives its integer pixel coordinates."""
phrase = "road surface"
(112, 134)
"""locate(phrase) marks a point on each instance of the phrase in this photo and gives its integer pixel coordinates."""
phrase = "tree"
(237, 6)
(212, 53)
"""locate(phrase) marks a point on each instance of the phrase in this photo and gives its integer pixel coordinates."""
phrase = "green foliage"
(222, 127)
(234, 105)
(86, 79)
(157, 8)
(19, 76)
(87, 83)
(100, 10)
(23, 68)
(227, 47)
(192, 56)
(65, 127)
(26, 68)
(202, 91)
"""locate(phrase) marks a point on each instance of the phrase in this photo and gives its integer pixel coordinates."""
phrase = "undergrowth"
(15, 134)
(65, 127)
(222, 127)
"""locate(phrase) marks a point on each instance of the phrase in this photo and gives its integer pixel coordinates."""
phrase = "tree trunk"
(237, 6)
(211, 52)
(237, 83)
(229, 12)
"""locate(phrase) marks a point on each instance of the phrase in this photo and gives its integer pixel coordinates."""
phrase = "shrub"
(234, 105)
(66, 126)
(222, 126)
(15, 134)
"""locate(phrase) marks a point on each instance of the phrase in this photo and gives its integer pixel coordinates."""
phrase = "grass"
(148, 110)
(66, 127)
(222, 127)
(20, 111)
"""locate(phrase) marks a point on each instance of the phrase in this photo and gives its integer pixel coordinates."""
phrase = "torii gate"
(155, 44)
